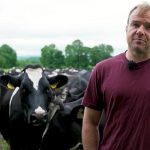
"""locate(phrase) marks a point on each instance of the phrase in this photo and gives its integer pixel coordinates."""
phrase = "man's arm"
(90, 130)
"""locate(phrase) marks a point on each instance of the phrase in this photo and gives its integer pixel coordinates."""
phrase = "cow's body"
(64, 132)
(76, 86)
(24, 111)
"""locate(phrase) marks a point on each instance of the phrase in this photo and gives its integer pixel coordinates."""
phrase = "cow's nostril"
(33, 118)
(38, 118)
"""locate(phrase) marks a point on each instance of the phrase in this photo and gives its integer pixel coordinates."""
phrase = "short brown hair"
(144, 7)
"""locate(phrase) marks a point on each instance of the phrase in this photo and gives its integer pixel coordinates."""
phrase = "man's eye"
(135, 24)
(147, 26)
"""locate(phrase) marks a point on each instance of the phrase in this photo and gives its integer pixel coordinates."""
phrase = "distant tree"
(100, 52)
(84, 57)
(76, 55)
(79, 56)
(51, 57)
(73, 54)
(8, 56)
(2, 61)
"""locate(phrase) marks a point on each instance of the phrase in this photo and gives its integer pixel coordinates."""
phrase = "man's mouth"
(139, 40)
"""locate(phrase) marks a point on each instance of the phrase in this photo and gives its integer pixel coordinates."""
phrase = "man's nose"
(140, 30)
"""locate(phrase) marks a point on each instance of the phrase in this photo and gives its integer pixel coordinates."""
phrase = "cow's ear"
(77, 112)
(9, 81)
(80, 113)
(58, 81)
(10, 86)
(53, 85)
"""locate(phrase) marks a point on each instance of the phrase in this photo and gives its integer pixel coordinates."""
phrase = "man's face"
(138, 32)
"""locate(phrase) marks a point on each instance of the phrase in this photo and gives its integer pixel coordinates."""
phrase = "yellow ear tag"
(80, 114)
(10, 86)
(54, 86)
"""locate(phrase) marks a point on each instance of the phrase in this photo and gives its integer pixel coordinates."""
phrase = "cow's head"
(32, 94)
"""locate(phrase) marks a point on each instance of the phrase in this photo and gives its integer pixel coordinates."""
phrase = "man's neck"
(136, 57)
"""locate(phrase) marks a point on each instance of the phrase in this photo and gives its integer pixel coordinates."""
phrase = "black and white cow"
(64, 130)
(24, 106)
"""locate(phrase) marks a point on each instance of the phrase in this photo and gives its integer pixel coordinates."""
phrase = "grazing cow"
(24, 106)
(64, 130)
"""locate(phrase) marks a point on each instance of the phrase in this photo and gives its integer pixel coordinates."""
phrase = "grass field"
(3, 144)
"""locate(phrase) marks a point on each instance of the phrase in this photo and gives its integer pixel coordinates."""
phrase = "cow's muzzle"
(37, 119)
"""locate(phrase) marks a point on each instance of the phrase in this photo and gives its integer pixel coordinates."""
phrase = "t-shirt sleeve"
(93, 97)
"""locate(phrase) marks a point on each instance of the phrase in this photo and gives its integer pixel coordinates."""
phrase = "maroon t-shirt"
(125, 96)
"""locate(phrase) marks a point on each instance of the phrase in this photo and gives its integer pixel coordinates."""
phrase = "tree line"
(75, 55)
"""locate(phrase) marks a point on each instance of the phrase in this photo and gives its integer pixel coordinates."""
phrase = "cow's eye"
(24, 90)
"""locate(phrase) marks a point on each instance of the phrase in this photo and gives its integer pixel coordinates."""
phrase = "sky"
(28, 25)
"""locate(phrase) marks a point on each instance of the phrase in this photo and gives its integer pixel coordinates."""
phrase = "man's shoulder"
(113, 59)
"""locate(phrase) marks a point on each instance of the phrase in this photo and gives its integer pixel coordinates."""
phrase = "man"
(121, 86)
